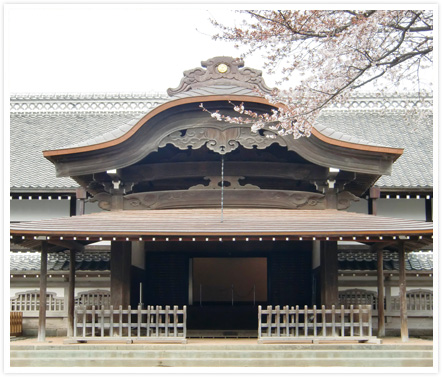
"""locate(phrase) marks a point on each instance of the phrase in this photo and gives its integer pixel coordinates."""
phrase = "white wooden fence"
(291, 324)
(155, 323)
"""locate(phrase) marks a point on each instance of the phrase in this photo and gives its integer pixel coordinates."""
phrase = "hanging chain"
(222, 188)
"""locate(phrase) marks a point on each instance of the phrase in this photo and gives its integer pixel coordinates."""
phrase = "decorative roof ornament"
(221, 70)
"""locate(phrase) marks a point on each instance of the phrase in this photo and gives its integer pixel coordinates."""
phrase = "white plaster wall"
(360, 206)
(413, 209)
(91, 208)
(27, 210)
(59, 290)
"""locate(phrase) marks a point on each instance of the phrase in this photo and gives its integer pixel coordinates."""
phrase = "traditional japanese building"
(212, 216)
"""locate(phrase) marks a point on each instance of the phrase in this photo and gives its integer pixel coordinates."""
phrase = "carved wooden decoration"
(210, 198)
(221, 70)
(230, 183)
(220, 141)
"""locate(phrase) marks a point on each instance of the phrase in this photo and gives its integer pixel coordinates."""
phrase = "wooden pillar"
(71, 292)
(381, 313)
(43, 289)
(403, 292)
(329, 273)
(120, 263)
(428, 210)
(81, 195)
(374, 195)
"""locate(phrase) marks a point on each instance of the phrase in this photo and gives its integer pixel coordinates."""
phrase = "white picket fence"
(291, 324)
(154, 323)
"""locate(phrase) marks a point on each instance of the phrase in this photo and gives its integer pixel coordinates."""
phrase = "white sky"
(109, 48)
(113, 48)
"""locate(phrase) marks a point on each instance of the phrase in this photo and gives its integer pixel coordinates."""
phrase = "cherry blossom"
(327, 55)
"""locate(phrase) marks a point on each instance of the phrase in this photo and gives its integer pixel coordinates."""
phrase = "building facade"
(209, 215)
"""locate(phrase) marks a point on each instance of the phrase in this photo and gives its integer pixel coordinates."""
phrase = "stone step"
(221, 362)
(204, 347)
(219, 354)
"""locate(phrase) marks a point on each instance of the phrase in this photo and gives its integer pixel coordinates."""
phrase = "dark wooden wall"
(290, 275)
(167, 277)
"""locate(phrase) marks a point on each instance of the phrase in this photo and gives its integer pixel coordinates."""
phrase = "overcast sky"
(109, 48)
(114, 48)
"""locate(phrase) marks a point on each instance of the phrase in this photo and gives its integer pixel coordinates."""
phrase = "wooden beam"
(71, 292)
(43, 286)
(283, 170)
(403, 292)
(68, 244)
(381, 316)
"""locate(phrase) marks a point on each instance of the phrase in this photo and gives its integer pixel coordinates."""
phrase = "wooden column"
(374, 195)
(71, 292)
(43, 289)
(428, 210)
(81, 195)
(329, 273)
(403, 292)
(120, 262)
(381, 313)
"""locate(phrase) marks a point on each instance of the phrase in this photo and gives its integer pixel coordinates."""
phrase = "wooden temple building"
(210, 216)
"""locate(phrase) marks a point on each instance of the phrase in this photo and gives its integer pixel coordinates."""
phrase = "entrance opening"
(235, 281)
(226, 292)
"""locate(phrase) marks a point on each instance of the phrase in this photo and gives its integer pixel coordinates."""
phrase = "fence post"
(342, 320)
(287, 321)
(314, 321)
(185, 321)
(305, 320)
(351, 320)
(324, 326)
(277, 320)
(93, 321)
(129, 321)
(75, 321)
(269, 320)
(84, 321)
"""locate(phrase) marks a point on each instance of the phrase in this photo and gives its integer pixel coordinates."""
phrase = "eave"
(163, 120)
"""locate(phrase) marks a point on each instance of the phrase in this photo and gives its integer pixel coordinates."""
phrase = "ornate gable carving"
(221, 70)
(220, 141)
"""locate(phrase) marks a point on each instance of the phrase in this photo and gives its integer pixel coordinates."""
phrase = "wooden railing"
(358, 297)
(154, 323)
(419, 301)
(30, 302)
(291, 324)
(16, 323)
(98, 298)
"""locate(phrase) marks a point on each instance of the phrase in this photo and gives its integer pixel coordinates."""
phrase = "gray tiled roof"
(87, 261)
(367, 261)
(415, 167)
(56, 121)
